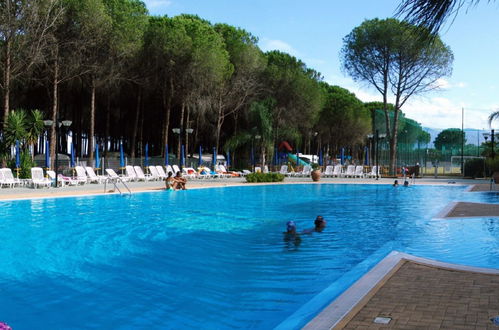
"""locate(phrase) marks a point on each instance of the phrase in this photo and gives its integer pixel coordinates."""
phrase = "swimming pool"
(216, 258)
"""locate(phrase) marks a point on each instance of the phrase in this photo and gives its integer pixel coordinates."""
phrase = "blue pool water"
(216, 258)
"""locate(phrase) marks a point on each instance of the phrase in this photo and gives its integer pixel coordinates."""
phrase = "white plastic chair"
(328, 172)
(8, 177)
(359, 171)
(161, 172)
(154, 172)
(92, 177)
(350, 171)
(374, 172)
(37, 178)
(337, 172)
(130, 173)
(81, 175)
(140, 174)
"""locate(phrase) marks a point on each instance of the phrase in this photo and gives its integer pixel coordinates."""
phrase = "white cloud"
(157, 3)
(274, 44)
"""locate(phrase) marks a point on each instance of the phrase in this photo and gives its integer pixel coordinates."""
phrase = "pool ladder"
(114, 181)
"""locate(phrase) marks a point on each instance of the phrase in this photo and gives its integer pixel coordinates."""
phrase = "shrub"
(474, 168)
(25, 167)
(492, 165)
(264, 177)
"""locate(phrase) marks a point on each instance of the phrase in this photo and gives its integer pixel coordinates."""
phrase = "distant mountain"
(473, 136)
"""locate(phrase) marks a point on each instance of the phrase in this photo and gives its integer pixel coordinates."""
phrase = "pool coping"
(156, 186)
(337, 314)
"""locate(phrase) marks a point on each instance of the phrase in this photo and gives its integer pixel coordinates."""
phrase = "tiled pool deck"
(416, 293)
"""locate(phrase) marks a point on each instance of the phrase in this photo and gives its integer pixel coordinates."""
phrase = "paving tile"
(425, 297)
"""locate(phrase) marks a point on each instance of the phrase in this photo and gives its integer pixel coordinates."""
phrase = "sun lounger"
(111, 175)
(92, 177)
(359, 171)
(8, 178)
(37, 178)
(62, 180)
(374, 172)
(337, 171)
(161, 172)
(81, 175)
(190, 173)
(130, 173)
(140, 174)
(350, 173)
(154, 173)
(307, 169)
(329, 171)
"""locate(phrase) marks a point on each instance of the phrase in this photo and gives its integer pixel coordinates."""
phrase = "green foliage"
(343, 118)
(25, 167)
(449, 139)
(264, 177)
(395, 58)
(492, 165)
(474, 168)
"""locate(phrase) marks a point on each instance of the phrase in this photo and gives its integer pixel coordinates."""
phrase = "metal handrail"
(115, 180)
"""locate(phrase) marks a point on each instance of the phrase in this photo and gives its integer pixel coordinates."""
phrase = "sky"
(313, 31)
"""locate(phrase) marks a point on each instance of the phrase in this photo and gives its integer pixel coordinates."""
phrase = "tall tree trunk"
(55, 106)
(187, 134)
(167, 106)
(220, 121)
(6, 89)
(92, 122)
(182, 110)
(108, 124)
(136, 125)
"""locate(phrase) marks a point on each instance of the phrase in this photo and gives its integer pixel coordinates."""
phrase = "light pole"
(187, 132)
(179, 132)
(48, 123)
(377, 138)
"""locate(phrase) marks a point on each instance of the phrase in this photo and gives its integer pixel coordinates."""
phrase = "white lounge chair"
(111, 175)
(140, 174)
(258, 169)
(284, 170)
(92, 177)
(337, 171)
(81, 175)
(374, 172)
(222, 172)
(350, 171)
(329, 171)
(37, 178)
(307, 169)
(4, 182)
(8, 177)
(190, 173)
(154, 173)
(359, 171)
(130, 173)
(246, 172)
(161, 172)
(265, 169)
(62, 180)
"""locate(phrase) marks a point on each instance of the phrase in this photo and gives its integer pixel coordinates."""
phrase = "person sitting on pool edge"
(180, 182)
(170, 182)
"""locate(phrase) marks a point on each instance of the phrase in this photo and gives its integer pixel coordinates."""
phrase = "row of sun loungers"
(83, 175)
(338, 171)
